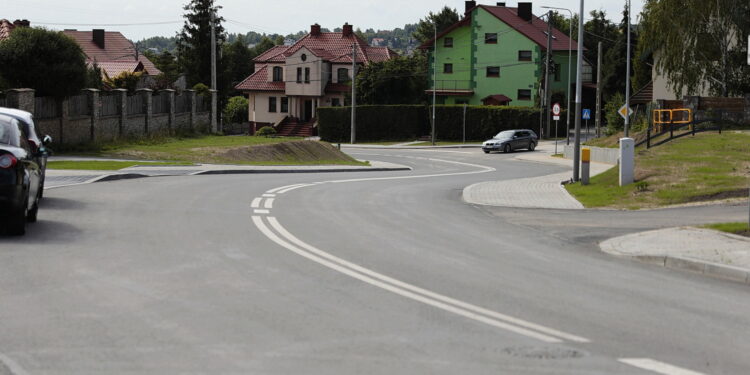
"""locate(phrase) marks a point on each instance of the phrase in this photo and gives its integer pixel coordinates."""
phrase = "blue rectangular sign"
(586, 114)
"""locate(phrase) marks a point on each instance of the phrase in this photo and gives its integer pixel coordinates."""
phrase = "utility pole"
(627, 79)
(434, 82)
(354, 93)
(547, 90)
(579, 67)
(599, 90)
(212, 20)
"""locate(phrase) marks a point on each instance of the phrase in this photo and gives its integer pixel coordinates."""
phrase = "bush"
(400, 122)
(201, 89)
(266, 131)
(236, 110)
(615, 122)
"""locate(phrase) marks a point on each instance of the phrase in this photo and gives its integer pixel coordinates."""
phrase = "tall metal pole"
(464, 123)
(354, 93)
(570, 56)
(434, 82)
(627, 79)
(579, 67)
(599, 90)
(212, 18)
(547, 89)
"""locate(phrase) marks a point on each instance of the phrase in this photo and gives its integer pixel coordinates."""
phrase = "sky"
(265, 16)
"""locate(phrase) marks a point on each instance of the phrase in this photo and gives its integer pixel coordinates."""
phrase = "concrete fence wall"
(69, 129)
(598, 154)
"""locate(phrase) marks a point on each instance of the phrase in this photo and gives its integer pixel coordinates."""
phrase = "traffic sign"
(586, 114)
(624, 111)
(556, 109)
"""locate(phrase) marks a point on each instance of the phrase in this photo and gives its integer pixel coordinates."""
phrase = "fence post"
(747, 108)
(64, 116)
(192, 110)
(170, 110)
(214, 106)
(22, 99)
(95, 106)
(122, 105)
(148, 107)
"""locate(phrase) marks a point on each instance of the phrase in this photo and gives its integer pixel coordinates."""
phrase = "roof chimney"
(524, 11)
(501, 4)
(98, 37)
(315, 29)
(347, 30)
(469, 5)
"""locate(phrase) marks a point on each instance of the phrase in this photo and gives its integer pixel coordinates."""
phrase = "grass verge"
(706, 167)
(446, 143)
(102, 165)
(735, 228)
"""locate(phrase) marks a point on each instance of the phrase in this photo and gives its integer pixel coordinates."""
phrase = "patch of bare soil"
(286, 152)
(738, 193)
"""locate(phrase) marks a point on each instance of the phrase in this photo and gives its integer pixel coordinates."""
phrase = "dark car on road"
(20, 177)
(511, 140)
(39, 147)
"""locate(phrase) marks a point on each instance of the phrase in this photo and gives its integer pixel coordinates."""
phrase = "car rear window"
(9, 133)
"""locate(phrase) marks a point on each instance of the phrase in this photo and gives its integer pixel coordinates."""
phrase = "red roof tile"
(5, 28)
(258, 81)
(338, 87)
(536, 30)
(333, 47)
(115, 68)
(116, 48)
(499, 98)
(275, 54)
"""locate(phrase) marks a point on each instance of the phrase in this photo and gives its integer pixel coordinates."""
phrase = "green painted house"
(495, 55)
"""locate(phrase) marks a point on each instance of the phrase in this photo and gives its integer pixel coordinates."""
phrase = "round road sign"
(556, 109)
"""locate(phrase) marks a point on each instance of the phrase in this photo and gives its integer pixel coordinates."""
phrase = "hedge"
(403, 122)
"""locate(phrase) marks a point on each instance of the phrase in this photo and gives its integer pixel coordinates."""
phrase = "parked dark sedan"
(510, 140)
(39, 147)
(20, 177)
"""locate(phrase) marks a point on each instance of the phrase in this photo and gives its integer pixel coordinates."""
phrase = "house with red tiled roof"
(6, 27)
(112, 52)
(495, 55)
(290, 82)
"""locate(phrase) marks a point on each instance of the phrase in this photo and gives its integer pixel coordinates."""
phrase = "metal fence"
(3, 101)
(182, 103)
(160, 103)
(79, 105)
(46, 107)
(110, 105)
(135, 105)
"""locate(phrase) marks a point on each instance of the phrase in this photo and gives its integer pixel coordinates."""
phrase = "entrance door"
(308, 111)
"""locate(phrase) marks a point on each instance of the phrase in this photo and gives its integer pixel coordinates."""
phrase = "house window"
(493, 71)
(299, 75)
(524, 94)
(524, 55)
(284, 104)
(490, 38)
(336, 102)
(343, 75)
(557, 72)
(277, 74)
(307, 75)
(448, 42)
(272, 104)
(448, 68)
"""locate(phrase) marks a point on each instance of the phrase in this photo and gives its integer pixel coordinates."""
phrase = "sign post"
(586, 116)
(556, 116)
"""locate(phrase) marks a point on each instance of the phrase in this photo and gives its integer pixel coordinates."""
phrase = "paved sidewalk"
(699, 250)
(536, 192)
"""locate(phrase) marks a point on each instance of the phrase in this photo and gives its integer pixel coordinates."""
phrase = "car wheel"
(17, 224)
(507, 149)
(486, 151)
(41, 190)
(531, 146)
(31, 214)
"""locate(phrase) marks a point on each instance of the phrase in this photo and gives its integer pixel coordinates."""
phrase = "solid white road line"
(274, 190)
(439, 297)
(294, 187)
(269, 203)
(658, 367)
(256, 203)
(269, 195)
(258, 221)
(12, 365)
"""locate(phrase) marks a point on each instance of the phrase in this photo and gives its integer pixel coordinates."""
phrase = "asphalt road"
(367, 273)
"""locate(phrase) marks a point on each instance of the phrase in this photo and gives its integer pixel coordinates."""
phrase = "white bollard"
(627, 161)
(585, 165)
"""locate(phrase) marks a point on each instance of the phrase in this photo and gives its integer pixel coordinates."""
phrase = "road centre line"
(258, 221)
(268, 195)
(256, 202)
(269, 203)
(294, 187)
(412, 288)
(261, 211)
(657, 367)
(274, 190)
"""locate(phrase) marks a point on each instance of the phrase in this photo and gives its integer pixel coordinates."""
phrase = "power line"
(107, 24)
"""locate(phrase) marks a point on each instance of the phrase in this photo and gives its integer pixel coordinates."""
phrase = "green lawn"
(102, 165)
(706, 167)
(735, 228)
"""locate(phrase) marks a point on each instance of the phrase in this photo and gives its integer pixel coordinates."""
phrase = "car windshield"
(8, 133)
(505, 134)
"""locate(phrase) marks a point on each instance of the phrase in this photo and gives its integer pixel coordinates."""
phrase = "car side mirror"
(46, 140)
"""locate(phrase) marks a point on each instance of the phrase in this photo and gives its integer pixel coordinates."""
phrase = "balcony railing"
(452, 85)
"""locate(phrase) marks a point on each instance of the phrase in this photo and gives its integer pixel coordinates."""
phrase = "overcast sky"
(265, 16)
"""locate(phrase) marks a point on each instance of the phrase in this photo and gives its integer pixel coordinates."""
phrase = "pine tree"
(444, 19)
(194, 42)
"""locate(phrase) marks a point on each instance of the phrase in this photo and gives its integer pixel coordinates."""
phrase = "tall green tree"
(443, 19)
(264, 45)
(48, 61)
(401, 80)
(237, 60)
(194, 41)
(699, 42)
(614, 62)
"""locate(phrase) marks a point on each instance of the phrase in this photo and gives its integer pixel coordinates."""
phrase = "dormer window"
(277, 74)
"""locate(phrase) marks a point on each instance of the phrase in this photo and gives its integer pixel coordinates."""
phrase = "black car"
(39, 147)
(20, 177)
(511, 140)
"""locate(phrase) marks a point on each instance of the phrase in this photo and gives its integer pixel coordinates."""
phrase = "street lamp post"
(434, 82)
(570, 55)
(579, 67)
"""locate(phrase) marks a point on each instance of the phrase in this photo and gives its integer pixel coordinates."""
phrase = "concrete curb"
(258, 171)
(720, 271)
